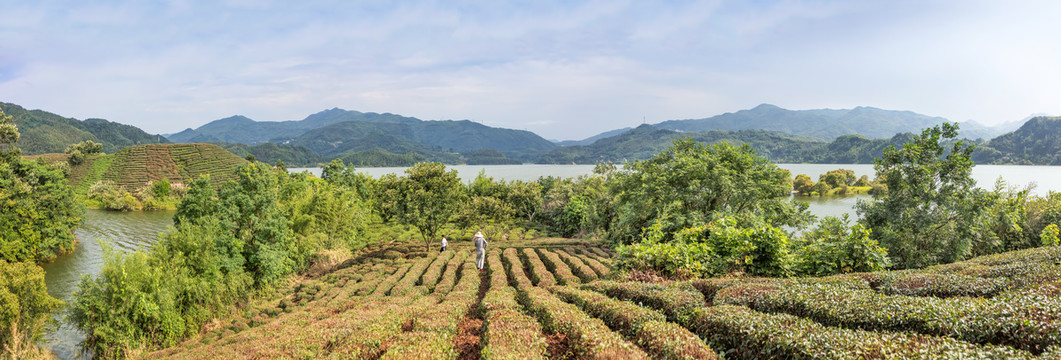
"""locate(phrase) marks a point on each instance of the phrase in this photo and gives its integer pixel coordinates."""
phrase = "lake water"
(126, 231)
(134, 230)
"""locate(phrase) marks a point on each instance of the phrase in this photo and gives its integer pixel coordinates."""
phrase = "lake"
(137, 230)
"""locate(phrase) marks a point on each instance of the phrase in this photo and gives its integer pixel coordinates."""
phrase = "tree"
(923, 218)
(803, 184)
(428, 197)
(689, 184)
(8, 137)
(838, 177)
(25, 308)
(38, 210)
(525, 198)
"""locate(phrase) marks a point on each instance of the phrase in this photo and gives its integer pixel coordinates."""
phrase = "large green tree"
(38, 212)
(690, 183)
(923, 219)
(427, 198)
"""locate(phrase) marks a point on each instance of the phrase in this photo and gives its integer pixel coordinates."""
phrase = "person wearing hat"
(480, 249)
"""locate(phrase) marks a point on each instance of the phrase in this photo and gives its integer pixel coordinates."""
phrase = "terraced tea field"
(134, 166)
(557, 298)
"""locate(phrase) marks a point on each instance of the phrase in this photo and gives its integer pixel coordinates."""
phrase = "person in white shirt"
(444, 243)
(480, 249)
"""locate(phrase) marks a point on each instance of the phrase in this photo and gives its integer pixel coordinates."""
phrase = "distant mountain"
(646, 140)
(242, 130)
(825, 124)
(1038, 142)
(593, 138)
(44, 132)
(433, 139)
(270, 153)
(371, 137)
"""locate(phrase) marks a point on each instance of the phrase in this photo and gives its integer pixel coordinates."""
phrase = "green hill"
(435, 140)
(242, 130)
(270, 153)
(827, 124)
(368, 138)
(133, 167)
(1038, 142)
(646, 140)
(44, 132)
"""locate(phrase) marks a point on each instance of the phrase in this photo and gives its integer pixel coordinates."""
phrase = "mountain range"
(44, 132)
(372, 139)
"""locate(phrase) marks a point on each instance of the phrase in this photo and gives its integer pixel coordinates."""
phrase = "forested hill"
(242, 130)
(647, 140)
(44, 132)
(1038, 141)
(423, 137)
(369, 138)
(826, 124)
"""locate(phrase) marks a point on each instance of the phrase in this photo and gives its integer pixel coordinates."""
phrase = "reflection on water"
(833, 205)
(127, 231)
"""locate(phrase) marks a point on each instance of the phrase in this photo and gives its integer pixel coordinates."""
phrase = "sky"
(562, 69)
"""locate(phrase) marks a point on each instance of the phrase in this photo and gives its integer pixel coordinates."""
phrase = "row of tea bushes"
(749, 334)
(588, 337)
(563, 273)
(507, 333)
(648, 328)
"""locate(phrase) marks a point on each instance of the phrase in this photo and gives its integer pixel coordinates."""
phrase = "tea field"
(558, 299)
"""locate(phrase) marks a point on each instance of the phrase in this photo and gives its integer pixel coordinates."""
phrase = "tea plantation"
(557, 298)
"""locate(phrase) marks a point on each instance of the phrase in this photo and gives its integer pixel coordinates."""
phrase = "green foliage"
(38, 211)
(25, 306)
(427, 198)
(689, 184)
(1049, 236)
(87, 147)
(228, 242)
(111, 197)
(1038, 141)
(157, 298)
(45, 132)
(161, 188)
(803, 185)
(270, 153)
(833, 248)
(838, 177)
(923, 218)
(9, 135)
(723, 246)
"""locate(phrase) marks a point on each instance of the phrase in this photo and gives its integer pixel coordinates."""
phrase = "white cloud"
(564, 70)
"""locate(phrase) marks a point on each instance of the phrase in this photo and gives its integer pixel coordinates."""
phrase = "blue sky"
(563, 69)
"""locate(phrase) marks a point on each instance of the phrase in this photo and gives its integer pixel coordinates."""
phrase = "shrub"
(559, 268)
(25, 307)
(1024, 321)
(579, 267)
(647, 327)
(589, 337)
(720, 247)
(834, 248)
(538, 272)
(1049, 236)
